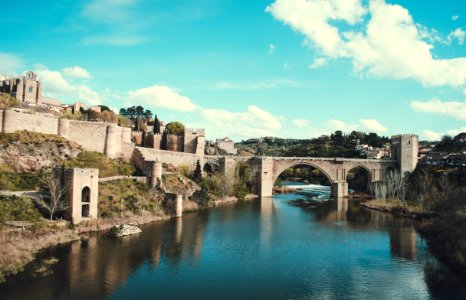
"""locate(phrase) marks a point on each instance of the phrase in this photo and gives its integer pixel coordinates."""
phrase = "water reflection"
(250, 250)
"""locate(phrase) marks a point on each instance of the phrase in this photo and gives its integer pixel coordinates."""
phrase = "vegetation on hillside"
(451, 145)
(30, 137)
(337, 144)
(21, 181)
(14, 208)
(107, 167)
(128, 197)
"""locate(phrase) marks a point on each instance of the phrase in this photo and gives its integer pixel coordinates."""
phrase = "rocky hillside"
(24, 152)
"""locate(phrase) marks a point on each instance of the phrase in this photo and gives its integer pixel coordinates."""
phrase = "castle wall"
(16, 121)
(175, 143)
(405, 149)
(145, 155)
(191, 140)
(92, 136)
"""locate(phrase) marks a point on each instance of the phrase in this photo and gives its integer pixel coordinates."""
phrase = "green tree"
(156, 125)
(104, 108)
(197, 175)
(176, 128)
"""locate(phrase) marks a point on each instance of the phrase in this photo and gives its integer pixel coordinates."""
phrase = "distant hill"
(337, 144)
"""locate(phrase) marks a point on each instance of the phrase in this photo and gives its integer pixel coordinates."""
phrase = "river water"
(264, 249)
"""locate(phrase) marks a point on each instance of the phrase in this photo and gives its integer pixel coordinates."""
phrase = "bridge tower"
(405, 149)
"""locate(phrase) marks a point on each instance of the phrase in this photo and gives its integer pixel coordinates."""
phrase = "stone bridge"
(266, 170)
(335, 169)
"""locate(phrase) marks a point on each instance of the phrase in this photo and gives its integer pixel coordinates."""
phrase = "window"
(30, 89)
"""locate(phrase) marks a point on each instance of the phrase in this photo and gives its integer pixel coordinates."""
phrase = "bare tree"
(55, 202)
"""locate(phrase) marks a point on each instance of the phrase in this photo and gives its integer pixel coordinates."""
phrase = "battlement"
(197, 131)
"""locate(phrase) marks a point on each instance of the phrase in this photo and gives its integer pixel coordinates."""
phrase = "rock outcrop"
(29, 154)
(123, 230)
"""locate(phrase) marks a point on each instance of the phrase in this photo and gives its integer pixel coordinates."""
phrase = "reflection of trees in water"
(442, 282)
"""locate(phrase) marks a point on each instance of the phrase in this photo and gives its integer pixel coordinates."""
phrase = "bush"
(6, 101)
(107, 166)
(21, 181)
(176, 128)
(18, 209)
(126, 196)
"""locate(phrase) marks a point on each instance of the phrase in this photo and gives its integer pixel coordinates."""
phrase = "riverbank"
(397, 208)
(20, 247)
(445, 235)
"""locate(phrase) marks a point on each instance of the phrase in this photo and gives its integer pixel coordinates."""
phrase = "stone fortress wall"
(113, 140)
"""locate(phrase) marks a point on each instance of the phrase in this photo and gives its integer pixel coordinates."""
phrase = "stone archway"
(85, 202)
(280, 169)
(355, 183)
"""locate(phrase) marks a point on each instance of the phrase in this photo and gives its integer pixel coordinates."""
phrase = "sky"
(245, 69)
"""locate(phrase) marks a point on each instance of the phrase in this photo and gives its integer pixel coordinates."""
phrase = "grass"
(21, 181)
(7, 101)
(126, 197)
(107, 167)
(17, 249)
(446, 236)
(18, 209)
(31, 137)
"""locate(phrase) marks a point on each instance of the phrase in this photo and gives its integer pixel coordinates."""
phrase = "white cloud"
(371, 49)
(367, 125)
(455, 109)
(89, 95)
(287, 66)
(436, 136)
(256, 85)
(52, 81)
(107, 11)
(457, 34)
(272, 48)
(311, 18)
(318, 62)
(76, 72)
(372, 125)
(255, 122)
(430, 135)
(10, 64)
(301, 123)
(114, 40)
(160, 96)
(333, 125)
(455, 17)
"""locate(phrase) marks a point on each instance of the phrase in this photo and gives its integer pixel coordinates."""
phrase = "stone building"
(25, 88)
(191, 141)
(405, 149)
(226, 146)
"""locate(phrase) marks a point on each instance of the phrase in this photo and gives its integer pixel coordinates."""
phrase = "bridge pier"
(340, 189)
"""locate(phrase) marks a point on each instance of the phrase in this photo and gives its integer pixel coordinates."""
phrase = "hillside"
(22, 152)
(337, 144)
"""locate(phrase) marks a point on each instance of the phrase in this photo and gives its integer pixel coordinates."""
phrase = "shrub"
(18, 209)
(176, 128)
(21, 181)
(107, 166)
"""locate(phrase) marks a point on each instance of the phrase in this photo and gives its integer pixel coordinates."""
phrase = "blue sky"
(288, 68)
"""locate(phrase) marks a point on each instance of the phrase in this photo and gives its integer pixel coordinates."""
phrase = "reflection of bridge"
(265, 170)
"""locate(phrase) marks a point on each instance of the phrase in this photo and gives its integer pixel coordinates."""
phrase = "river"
(264, 249)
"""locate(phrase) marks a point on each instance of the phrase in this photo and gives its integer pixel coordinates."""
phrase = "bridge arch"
(355, 182)
(282, 168)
